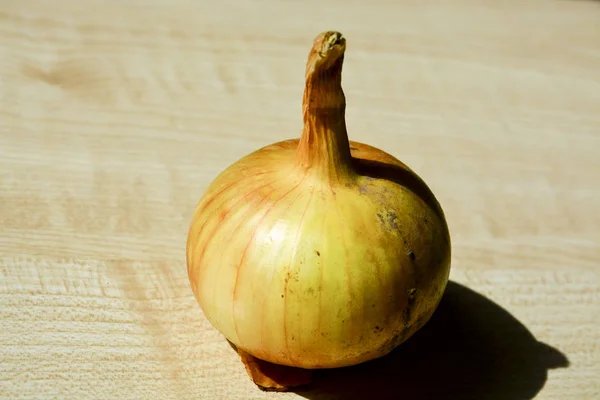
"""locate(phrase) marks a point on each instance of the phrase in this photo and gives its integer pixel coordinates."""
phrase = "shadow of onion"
(470, 349)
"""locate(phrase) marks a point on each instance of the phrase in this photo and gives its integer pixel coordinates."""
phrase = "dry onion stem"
(318, 252)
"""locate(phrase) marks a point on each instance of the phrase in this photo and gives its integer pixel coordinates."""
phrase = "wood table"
(116, 115)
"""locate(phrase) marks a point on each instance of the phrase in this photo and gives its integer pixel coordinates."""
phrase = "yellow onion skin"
(318, 261)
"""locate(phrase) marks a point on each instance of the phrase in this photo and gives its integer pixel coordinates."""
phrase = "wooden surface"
(115, 116)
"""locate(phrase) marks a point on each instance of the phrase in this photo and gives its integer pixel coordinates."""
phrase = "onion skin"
(318, 252)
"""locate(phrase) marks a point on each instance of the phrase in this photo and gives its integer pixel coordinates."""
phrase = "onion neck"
(324, 149)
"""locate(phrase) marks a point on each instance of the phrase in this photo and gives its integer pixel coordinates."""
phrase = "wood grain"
(115, 116)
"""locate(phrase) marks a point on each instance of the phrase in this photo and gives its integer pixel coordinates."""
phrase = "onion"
(318, 252)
